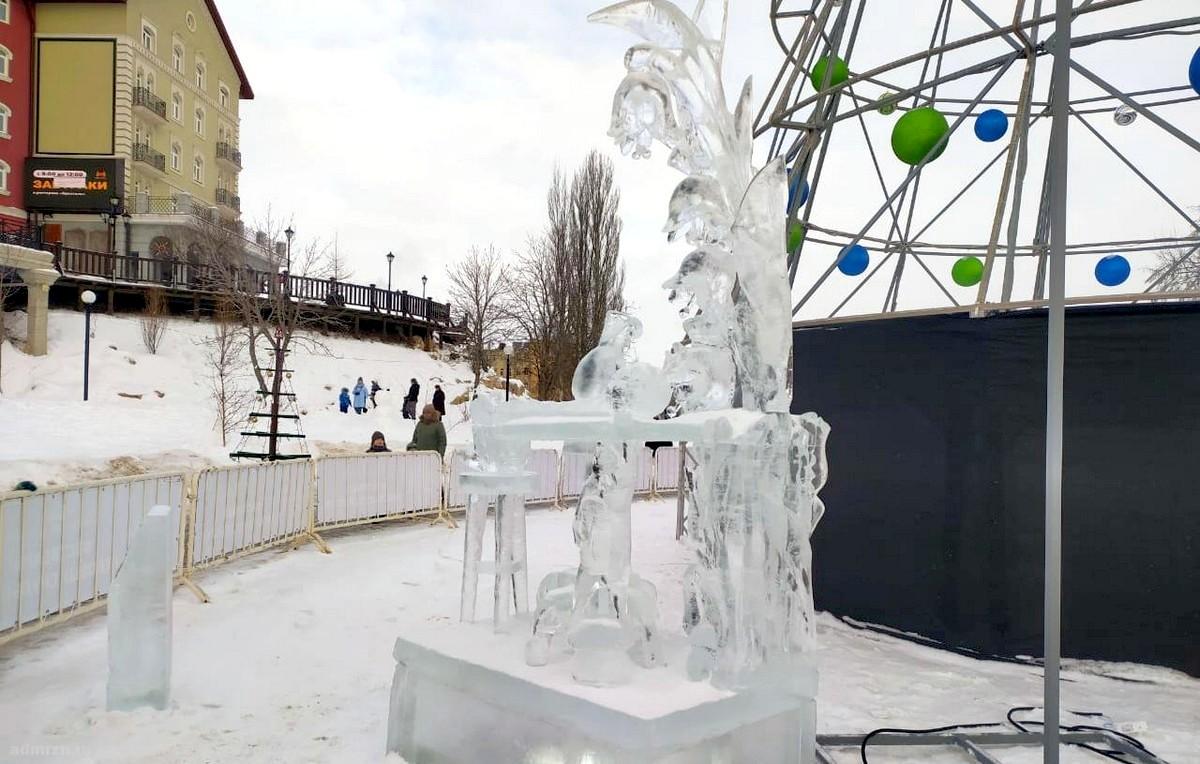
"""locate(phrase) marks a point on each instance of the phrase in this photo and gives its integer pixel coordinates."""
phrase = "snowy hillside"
(50, 436)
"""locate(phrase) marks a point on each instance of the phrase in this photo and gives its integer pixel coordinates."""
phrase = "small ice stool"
(508, 491)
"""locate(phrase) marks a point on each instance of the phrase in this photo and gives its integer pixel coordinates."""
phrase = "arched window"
(223, 97)
(4, 170)
(4, 11)
(176, 156)
(149, 37)
(5, 113)
(177, 57)
(177, 106)
(199, 121)
(150, 81)
(201, 71)
(5, 64)
(139, 79)
(198, 169)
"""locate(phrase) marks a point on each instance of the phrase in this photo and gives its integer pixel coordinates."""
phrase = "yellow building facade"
(156, 83)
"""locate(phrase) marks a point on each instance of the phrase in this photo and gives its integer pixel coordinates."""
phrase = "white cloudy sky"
(425, 126)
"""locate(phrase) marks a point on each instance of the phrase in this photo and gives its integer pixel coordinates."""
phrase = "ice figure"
(139, 617)
(610, 615)
(752, 494)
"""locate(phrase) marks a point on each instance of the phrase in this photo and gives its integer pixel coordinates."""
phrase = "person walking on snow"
(375, 387)
(439, 400)
(410, 400)
(429, 434)
(360, 397)
(344, 400)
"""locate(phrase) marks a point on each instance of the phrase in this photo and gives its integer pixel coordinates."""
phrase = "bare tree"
(478, 287)
(224, 354)
(568, 278)
(154, 320)
(1178, 268)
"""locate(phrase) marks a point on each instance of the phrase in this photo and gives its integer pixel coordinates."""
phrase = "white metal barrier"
(455, 497)
(666, 468)
(60, 548)
(643, 476)
(374, 487)
(245, 508)
(575, 467)
(544, 462)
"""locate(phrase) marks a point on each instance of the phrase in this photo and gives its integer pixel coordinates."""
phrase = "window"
(177, 57)
(5, 113)
(198, 170)
(5, 64)
(4, 170)
(139, 79)
(4, 11)
(149, 37)
(141, 136)
(223, 96)
(199, 121)
(150, 81)
(176, 156)
(200, 73)
(177, 106)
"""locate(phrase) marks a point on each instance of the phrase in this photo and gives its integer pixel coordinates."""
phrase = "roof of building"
(245, 91)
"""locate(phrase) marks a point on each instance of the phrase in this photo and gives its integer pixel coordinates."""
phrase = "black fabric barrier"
(935, 500)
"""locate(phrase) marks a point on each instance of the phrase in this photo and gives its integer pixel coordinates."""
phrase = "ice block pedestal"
(457, 710)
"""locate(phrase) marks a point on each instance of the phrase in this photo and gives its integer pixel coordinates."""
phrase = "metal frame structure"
(801, 124)
(974, 747)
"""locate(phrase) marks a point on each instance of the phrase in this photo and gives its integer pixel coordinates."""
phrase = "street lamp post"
(423, 280)
(289, 233)
(89, 299)
(508, 354)
(114, 211)
(390, 258)
(128, 227)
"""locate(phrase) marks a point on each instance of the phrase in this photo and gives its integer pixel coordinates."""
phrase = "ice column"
(139, 617)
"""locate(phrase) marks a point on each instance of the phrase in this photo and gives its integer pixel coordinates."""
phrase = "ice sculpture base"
(461, 710)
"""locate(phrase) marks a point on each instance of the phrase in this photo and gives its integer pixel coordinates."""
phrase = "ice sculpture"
(752, 500)
(139, 617)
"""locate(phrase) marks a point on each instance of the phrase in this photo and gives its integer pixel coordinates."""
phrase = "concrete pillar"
(37, 283)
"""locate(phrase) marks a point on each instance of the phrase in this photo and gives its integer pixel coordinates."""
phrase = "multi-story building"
(16, 78)
(150, 89)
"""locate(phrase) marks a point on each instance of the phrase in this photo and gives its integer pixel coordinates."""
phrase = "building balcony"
(149, 104)
(229, 155)
(144, 154)
(229, 200)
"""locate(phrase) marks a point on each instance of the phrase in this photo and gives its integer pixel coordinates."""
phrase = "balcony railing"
(145, 99)
(142, 152)
(227, 153)
(229, 199)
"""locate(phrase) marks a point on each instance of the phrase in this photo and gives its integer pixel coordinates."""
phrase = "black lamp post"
(423, 280)
(508, 354)
(390, 258)
(114, 211)
(128, 226)
(289, 233)
(89, 299)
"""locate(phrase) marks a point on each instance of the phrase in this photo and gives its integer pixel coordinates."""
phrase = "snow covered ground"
(291, 661)
(50, 436)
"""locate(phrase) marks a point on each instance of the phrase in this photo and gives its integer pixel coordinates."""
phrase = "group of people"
(429, 434)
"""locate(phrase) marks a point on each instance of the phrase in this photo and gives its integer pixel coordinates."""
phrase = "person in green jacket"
(429, 434)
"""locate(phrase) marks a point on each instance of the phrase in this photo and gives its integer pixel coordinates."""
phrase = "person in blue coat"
(344, 400)
(360, 397)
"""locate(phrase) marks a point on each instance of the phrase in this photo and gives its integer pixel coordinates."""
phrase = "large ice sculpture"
(752, 500)
(139, 617)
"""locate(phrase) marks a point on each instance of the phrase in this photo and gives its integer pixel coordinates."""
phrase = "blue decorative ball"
(1194, 71)
(798, 186)
(1112, 270)
(991, 125)
(854, 260)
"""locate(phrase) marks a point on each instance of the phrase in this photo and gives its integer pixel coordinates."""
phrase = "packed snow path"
(291, 661)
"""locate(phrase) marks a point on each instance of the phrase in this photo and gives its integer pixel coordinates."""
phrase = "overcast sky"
(423, 127)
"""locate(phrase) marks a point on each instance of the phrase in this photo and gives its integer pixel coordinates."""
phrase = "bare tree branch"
(478, 287)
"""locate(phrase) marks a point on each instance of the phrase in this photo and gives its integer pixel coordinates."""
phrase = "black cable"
(924, 641)
(1107, 753)
(929, 731)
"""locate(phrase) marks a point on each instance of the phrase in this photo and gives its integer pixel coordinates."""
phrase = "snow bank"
(153, 412)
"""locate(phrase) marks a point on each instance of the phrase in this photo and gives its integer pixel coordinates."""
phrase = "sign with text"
(73, 185)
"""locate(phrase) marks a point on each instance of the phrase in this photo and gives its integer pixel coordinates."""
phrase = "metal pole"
(1054, 377)
(87, 347)
(507, 367)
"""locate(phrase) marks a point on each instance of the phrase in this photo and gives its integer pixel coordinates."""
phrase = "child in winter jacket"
(344, 400)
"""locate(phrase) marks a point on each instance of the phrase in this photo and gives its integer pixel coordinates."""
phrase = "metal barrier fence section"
(60, 548)
(246, 508)
(374, 487)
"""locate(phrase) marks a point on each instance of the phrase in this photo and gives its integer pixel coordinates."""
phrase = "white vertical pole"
(1054, 377)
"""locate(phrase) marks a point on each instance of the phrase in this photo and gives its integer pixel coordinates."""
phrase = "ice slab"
(139, 617)
(471, 699)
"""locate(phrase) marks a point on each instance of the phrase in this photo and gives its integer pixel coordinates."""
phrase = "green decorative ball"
(841, 73)
(916, 133)
(967, 271)
(795, 236)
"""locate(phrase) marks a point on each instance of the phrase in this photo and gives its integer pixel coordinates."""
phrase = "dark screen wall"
(935, 500)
